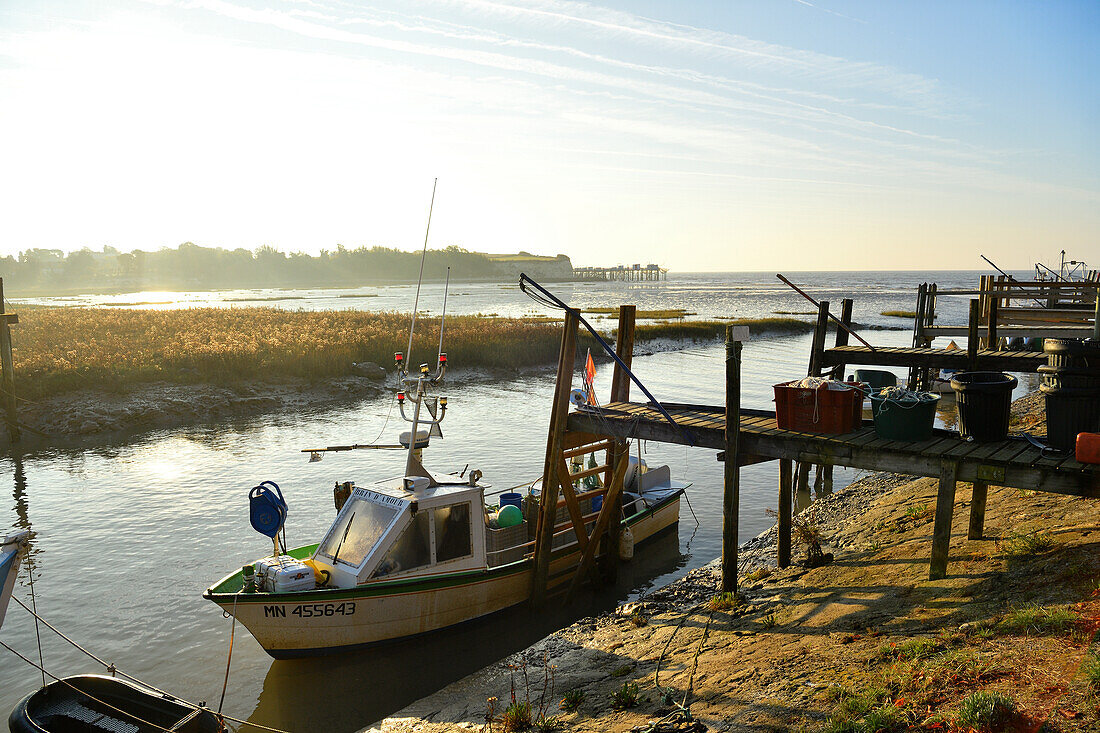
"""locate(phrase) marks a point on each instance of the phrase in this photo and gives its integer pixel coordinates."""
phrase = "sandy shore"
(865, 643)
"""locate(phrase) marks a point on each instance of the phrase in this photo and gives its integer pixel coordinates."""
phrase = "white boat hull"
(328, 620)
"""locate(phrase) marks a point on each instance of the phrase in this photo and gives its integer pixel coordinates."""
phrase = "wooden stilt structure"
(731, 468)
(7, 378)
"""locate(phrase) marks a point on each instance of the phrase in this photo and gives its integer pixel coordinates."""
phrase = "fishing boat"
(416, 552)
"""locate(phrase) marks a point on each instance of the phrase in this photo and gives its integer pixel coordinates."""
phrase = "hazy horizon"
(702, 136)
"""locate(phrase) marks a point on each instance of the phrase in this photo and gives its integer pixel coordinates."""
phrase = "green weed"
(917, 510)
(985, 711)
(1035, 619)
(626, 696)
(622, 671)
(724, 602)
(572, 700)
(1090, 669)
(1020, 546)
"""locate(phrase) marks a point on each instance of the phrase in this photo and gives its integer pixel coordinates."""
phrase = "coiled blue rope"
(266, 508)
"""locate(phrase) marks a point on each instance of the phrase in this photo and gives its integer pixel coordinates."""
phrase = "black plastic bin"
(1073, 353)
(983, 400)
(1070, 411)
(1071, 377)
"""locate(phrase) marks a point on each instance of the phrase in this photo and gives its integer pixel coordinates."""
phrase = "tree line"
(192, 267)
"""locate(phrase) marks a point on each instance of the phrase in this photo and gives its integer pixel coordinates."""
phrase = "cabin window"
(411, 550)
(452, 532)
(357, 531)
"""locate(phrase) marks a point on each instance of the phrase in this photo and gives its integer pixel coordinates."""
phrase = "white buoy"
(626, 544)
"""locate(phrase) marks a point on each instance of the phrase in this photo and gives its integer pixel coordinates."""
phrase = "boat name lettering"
(377, 498)
(313, 610)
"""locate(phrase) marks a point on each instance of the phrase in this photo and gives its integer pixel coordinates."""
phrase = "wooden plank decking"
(1013, 462)
(987, 359)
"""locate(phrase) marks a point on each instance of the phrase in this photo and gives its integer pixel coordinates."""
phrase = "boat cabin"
(404, 527)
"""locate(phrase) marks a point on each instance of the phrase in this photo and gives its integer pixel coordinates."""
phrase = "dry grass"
(62, 349)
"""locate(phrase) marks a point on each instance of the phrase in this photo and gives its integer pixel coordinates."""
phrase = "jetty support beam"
(783, 544)
(731, 467)
(559, 413)
(977, 510)
(945, 510)
(620, 392)
(7, 385)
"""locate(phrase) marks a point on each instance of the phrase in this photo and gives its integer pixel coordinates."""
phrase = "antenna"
(419, 280)
(443, 318)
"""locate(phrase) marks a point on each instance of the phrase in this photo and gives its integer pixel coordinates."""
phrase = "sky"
(718, 135)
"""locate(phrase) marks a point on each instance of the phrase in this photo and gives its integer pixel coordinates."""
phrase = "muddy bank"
(865, 643)
(85, 417)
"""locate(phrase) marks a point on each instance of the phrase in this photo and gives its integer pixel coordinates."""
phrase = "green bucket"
(904, 419)
(875, 378)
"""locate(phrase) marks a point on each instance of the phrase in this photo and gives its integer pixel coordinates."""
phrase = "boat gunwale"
(388, 587)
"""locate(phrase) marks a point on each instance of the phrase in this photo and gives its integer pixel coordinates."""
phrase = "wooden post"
(991, 324)
(548, 502)
(1096, 318)
(918, 332)
(620, 392)
(842, 335)
(972, 337)
(817, 349)
(8, 376)
(731, 466)
(945, 509)
(783, 545)
(838, 373)
(977, 510)
(802, 487)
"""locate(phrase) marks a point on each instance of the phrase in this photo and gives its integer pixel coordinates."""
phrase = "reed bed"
(62, 349)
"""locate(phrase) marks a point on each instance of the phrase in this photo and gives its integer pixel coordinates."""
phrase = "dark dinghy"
(93, 702)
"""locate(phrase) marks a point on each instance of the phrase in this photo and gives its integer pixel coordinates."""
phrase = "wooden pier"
(746, 437)
(627, 273)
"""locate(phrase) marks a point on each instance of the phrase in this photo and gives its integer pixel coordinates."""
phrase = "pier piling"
(7, 379)
(731, 474)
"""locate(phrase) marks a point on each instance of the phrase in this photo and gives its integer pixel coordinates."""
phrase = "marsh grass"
(62, 349)
(900, 314)
(667, 313)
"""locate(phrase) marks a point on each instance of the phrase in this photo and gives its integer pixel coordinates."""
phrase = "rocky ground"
(866, 643)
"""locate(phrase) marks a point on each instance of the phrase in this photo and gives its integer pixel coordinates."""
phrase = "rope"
(82, 692)
(113, 670)
(229, 657)
(37, 635)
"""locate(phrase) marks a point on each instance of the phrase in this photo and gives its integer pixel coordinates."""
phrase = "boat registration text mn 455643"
(311, 610)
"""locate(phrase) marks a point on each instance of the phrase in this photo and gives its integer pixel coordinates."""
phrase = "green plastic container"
(905, 420)
(876, 378)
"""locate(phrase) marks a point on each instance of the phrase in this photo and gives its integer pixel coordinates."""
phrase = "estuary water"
(129, 534)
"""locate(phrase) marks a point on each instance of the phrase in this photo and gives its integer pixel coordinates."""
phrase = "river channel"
(128, 534)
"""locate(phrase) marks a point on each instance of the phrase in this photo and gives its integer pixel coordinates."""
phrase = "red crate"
(818, 410)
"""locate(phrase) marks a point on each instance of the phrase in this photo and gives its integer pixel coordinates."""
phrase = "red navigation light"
(400, 396)
(398, 356)
(442, 358)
